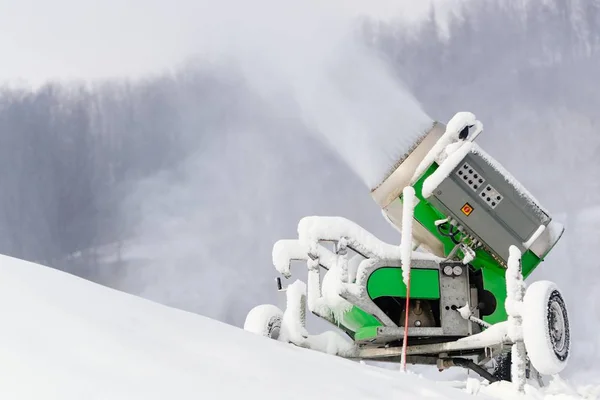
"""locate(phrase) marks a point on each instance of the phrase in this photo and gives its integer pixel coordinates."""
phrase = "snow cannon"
(465, 197)
(452, 292)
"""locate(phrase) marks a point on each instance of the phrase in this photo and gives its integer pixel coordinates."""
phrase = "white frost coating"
(518, 366)
(465, 311)
(524, 193)
(515, 288)
(332, 288)
(314, 229)
(469, 254)
(285, 251)
(497, 333)
(293, 326)
(315, 301)
(258, 318)
(441, 221)
(293, 322)
(536, 333)
(451, 148)
(353, 265)
(331, 342)
(408, 205)
(446, 142)
(535, 236)
(445, 168)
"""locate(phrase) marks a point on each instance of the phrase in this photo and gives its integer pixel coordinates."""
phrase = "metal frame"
(458, 342)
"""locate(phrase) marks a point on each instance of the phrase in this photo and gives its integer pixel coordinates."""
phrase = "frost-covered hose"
(408, 205)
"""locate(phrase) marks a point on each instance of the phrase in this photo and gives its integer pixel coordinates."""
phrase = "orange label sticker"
(467, 209)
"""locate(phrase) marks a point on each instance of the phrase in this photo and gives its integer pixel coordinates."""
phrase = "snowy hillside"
(67, 338)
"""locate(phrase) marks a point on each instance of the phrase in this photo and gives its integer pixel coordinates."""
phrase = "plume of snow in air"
(313, 53)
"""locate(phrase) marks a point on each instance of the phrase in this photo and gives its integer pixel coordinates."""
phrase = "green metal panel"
(355, 319)
(368, 332)
(387, 281)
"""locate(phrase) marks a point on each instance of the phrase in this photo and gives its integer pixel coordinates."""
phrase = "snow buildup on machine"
(445, 169)
(314, 229)
(287, 250)
(331, 342)
(353, 265)
(292, 324)
(446, 142)
(406, 246)
(497, 333)
(515, 287)
(332, 287)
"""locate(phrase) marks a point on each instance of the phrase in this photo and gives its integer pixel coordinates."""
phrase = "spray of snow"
(313, 56)
(364, 114)
(406, 247)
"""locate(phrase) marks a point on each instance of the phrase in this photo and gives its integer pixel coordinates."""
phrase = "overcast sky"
(41, 40)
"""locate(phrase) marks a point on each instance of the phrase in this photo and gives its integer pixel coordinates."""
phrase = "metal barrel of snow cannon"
(465, 196)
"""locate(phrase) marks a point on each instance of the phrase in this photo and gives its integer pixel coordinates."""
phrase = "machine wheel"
(264, 320)
(546, 328)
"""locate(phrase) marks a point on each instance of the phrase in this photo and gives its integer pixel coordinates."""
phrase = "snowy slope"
(63, 337)
(67, 338)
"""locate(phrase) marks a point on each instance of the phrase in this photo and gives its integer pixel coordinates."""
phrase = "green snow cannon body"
(468, 211)
(476, 235)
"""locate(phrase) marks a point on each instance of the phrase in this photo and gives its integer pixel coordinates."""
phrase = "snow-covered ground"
(63, 337)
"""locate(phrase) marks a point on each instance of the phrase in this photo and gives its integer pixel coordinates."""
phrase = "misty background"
(175, 185)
